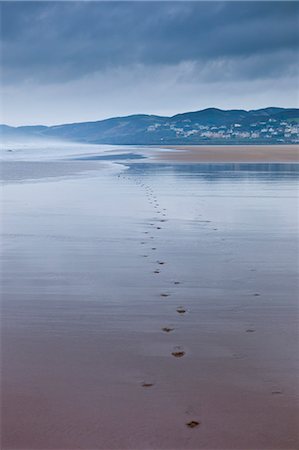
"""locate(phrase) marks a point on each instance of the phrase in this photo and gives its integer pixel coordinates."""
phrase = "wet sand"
(149, 308)
(232, 153)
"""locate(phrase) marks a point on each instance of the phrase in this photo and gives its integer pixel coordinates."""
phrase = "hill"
(208, 126)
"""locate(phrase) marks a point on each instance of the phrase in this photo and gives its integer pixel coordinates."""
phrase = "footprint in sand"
(167, 329)
(178, 353)
(147, 384)
(159, 228)
(156, 271)
(176, 282)
(256, 294)
(181, 310)
(154, 248)
(161, 263)
(193, 424)
(250, 330)
(164, 294)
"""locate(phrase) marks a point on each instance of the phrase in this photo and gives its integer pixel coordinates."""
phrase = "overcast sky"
(78, 61)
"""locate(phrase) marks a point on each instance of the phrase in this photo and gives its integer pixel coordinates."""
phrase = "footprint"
(250, 330)
(176, 282)
(276, 392)
(167, 329)
(193, 424)
(161, 263)
(145, 256)
(158, 228)
(147, 385)
(154, 248)
(157, 271)
(178, 353)
(164, 294)
(256, 294)
(181, 310)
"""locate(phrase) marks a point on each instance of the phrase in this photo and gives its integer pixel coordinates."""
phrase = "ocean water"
(97, 259)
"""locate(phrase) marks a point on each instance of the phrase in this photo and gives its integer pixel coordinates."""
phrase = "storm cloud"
(156, 57)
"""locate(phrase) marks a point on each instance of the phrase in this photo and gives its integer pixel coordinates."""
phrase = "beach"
(232, 153)
(150, 304)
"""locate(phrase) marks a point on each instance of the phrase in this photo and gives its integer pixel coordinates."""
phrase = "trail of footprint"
(177, 352)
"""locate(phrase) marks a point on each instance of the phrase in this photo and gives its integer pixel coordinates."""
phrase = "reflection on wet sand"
(87, 323)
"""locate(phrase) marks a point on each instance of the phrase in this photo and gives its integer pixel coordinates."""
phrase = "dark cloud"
(50, 41)
(72, 61)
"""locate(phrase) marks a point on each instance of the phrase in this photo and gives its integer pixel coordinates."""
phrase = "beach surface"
(149, 305)
(232, 153)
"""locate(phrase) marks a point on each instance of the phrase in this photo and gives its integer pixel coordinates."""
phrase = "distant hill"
(208, 126)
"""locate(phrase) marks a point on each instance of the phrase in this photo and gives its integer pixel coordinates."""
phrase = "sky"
(65, 62)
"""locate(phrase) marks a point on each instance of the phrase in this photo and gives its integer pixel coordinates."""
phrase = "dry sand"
(231, 153)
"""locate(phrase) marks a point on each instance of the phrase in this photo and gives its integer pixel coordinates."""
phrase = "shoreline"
(230, 153)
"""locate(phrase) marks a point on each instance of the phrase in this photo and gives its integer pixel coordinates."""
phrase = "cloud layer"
(123, 57)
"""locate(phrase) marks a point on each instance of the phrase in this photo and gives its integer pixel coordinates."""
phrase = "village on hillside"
(278, 131)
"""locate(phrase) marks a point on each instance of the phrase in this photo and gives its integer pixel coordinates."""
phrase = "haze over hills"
(208, 126)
